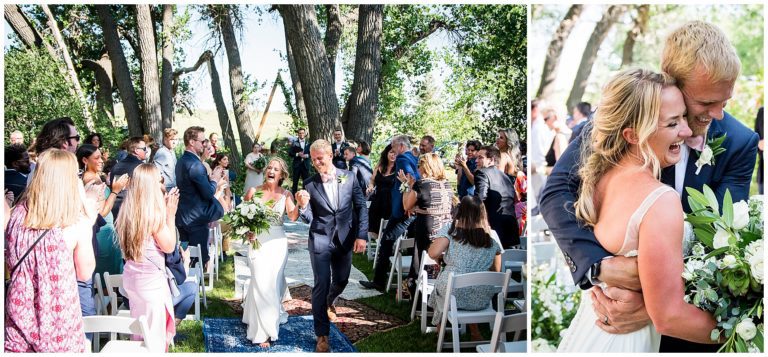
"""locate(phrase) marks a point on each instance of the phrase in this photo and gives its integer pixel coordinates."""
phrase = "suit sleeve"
(481, 185)
(360, 206)
(738, 174)
(306, 214)
(578, 243)
(199, 178)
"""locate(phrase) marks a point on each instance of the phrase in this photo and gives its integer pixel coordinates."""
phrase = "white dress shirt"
(332, 190)
(680, 166)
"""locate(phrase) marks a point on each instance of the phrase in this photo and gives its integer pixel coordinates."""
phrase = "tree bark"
(332, 37)
(552, 61)
(24, 28)
(301, 110)
(71, 74)
(166, 85)
(312, 66)
(221, 110)
(603, 27)
(121, 72)
(364, 98)
(150, 81)
(102, 70)
(236, 82)
(639, 26)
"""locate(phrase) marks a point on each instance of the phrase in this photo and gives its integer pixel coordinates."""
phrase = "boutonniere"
(709, 152)
(341, 178)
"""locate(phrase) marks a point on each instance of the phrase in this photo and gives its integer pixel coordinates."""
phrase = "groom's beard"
(698, 128)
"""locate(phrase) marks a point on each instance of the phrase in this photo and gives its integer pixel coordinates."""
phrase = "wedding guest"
(152, 147)
(214, 140)
(137, 153)
(222, 163)
(399, 221)
(431, 198)
(165, 158)
(95, 140)
(52, 223)
(359, 166)
(465, 169)
(299, 151)
(57, 133)
(559, 140)
(208, 152)
(539, 138)
(16, 137)
(338, 146)
(17, 168)
(581, 115)
(145, 228)
(469, 248)
(380, 190)
(254, 176)
(511, 160)
(364, 150)
(497, 191)
(197, 193)
(426, 145)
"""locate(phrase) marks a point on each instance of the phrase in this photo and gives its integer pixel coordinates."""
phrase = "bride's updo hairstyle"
(631, 99)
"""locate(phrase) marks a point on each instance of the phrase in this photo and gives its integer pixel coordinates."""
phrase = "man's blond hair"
(698, 45)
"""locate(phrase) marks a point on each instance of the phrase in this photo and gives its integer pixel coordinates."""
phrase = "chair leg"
(415, 299)
(197, 307)
(399, 296)
(391, 275)
(456, 339)
(440, 338)
(424, 316)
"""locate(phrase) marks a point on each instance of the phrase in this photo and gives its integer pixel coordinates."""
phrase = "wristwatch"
(594, 273)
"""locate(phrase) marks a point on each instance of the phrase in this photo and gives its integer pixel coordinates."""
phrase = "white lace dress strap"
(629, 248)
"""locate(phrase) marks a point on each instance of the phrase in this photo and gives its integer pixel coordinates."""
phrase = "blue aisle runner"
(297, 335)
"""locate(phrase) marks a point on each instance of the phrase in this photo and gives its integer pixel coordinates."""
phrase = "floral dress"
(463, 259)
(42, 306)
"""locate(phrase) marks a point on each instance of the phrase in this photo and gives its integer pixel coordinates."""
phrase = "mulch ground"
(355, 320)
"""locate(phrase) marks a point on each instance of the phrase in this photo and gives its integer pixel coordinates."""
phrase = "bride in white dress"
(262, 305)
(638, 129)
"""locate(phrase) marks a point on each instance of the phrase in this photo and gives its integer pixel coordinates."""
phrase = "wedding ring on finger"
(605, 321)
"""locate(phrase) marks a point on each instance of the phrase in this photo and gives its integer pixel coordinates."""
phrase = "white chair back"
(122, 325)
(114, 284)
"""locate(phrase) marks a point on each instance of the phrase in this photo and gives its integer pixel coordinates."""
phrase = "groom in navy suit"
(706, 71)
(334, 205)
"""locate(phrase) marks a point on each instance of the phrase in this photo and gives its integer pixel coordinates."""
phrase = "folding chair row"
(122, 325)
(503, 324)
(401, 264)
(424, 288)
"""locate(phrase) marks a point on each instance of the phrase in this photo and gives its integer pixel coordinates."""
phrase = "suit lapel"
(693, 180)
(318, 182)
(339, 191)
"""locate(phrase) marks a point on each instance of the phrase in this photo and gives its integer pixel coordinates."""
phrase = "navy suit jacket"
(732, 171)
(349, 221)
(197, 205)
(126, 166)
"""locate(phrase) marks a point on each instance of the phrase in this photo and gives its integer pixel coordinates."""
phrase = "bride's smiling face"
(273, 173)
(672, 128)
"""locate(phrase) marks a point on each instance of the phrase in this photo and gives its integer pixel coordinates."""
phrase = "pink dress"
(42, 310)
(149, 295)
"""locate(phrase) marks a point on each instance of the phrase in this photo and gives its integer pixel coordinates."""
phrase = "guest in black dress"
(380, 189)
(431, 199)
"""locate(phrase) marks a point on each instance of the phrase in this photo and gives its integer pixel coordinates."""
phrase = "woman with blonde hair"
(48, 248)
(638, 130)
(145, 226)
(263, 303)
(431, 199)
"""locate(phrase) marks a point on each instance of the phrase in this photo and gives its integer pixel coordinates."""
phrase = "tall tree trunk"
(639, 26)
(552, 61)
(102, 70)
(364, 98)
(72, 75)
(121, 72)
(24, 28)
(332, 36)
(236, 82)
(166, 85)
(603, 27)
(301, 110)
(312, 66)
(150, 81)
(221, 110)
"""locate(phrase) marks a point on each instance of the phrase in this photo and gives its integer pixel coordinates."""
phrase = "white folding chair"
(502, 325)
(213, 256)
(424, 288)
(114, 284)
(196, 271)
(123, 325)
(378, 241)
(458, 318)
(102, 300)
(219, 244)
(514, 260)
(373, 240)
(400, 265)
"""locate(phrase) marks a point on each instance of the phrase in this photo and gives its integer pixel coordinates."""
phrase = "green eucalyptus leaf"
(711, 199)
(728, 209)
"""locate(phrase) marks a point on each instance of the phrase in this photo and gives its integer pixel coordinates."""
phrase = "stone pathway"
(298, 269)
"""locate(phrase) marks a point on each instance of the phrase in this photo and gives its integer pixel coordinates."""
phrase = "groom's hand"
(624, 309)
(302, 198)
(359, 245)
(620, 271)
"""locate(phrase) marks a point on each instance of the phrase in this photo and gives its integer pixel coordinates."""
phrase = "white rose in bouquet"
(241, 230)
(729, 261)
(740, 215)
(721, 238)
(754, 255)
(746, 329)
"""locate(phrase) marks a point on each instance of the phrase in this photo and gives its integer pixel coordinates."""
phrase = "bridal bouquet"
(553, 307)
(724, 272)
(251, 216)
